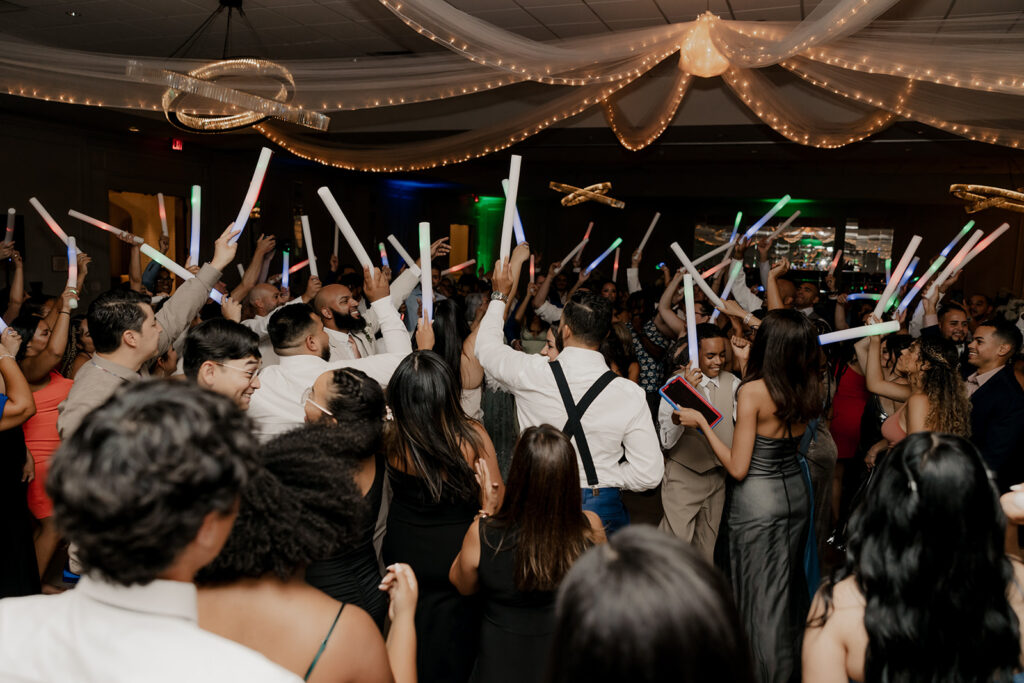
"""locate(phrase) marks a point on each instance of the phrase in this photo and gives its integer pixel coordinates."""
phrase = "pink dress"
(891, 429)
(42, 440)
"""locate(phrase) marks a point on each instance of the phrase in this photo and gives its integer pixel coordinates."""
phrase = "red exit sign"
(176, 144)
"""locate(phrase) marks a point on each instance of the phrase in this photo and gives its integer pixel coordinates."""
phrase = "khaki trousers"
(693, 504)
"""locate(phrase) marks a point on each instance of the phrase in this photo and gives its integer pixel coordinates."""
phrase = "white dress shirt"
(105, 633)
(260, 324)
(276, 406)
(618, 421)
(669, 431)
(549, 313)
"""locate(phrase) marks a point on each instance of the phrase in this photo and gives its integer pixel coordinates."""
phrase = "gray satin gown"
(769, 518)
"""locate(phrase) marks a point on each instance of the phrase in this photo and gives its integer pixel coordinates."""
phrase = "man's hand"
(501, 280)
(334, 263)
(376, 286)
(553, 268)
(739, 250)
(692, 375)
(779, 269)
(130, 239)
(439, 248)
(223, 250)
(313, 286)
(231, 309)
(163, 244)
(764, 247)
(424, 334)
(520, 255)
(6, 250)
(264, 245)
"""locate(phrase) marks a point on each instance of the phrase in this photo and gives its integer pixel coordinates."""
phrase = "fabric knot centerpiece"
(698, 54)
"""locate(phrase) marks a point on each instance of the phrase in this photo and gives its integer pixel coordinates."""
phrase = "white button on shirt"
(105, 633)
(617, 422)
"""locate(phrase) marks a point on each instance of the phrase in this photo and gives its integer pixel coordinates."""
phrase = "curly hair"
(302, 505)
(132, 486)
(949, 408)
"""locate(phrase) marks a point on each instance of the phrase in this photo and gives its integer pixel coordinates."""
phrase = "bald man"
(264, 299)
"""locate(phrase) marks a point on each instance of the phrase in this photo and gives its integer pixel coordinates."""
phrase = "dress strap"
(323, 645)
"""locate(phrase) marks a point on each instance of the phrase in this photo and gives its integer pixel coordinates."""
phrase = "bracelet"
(6, 355)
(747, 317)
(67, 313)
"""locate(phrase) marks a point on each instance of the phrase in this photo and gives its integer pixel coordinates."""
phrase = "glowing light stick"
(457, 268)
(733, 273)
(533, 269)
(123, 234)
(264, 270)
(736, 225)
(921, 282)
(426, 283)
(903, 280)
(891, 286)
(505, 246)
(568, 258)
(405, 255)
(346, 229)
(708, 292)
(888, 327)
(863, 295)
(785, 226)
(982, 245)
(253, 194)
(888, 269)
(714, 269)
(835, 262)
(955, 263)
(284, 269)
(691, 320)
(517, 223)
(307, 237)
(647, 235)
(72, 269)
(49, 220)
(163, 212)
(383, 255)
(299, 266)
(615, 266)
(586, 235)
(175, 268)
(3, 325)
(193, 238)
(596, 262)
(963, 231)
(714, 252)
(767, 217)
(241, 270)
(9, 235)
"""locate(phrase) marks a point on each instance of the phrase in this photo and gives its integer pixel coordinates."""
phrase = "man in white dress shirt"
(303, 346)
(616, 441)
(261, 303)
(148, 490)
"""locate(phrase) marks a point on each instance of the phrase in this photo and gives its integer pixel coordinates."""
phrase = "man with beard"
(349, 332)
(261, 302)
(953, 324)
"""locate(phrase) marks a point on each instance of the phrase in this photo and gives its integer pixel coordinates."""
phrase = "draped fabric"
(963, 74)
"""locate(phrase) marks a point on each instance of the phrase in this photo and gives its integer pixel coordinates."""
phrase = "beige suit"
(693, 490)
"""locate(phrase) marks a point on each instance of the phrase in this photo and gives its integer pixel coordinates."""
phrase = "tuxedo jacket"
(997, 426)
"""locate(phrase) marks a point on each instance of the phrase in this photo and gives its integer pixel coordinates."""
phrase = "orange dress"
(42, 440)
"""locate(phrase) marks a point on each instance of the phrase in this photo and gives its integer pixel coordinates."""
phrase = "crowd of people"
(339, 486)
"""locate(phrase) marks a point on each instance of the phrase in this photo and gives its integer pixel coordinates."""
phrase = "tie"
(973, 384)
(355, 347)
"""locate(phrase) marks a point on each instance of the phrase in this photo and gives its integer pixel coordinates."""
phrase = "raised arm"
(508, 366)
(840, 313)
(633, 272)
(17, 293)
(250, 278)
(545, 287)
(20, 405)
(668, 316)
(876, 382)
(772, 286)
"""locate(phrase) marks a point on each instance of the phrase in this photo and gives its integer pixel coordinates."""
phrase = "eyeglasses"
(307, 397)
(248, 373)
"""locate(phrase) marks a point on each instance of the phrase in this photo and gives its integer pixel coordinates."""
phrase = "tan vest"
(693, 450)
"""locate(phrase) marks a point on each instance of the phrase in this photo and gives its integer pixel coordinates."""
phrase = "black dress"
(353, 576)
(427, 535)
(19, 573)
(517, 627)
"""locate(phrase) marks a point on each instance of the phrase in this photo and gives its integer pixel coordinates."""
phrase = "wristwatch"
(498, 296)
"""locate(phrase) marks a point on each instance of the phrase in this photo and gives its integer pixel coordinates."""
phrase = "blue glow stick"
(963, 231)
(863, 295)
(727, 290)
(923, 281)
(736, 226)
(517, 223)
(284, 270)
(383, 255)
(596, 262)
(767, 217)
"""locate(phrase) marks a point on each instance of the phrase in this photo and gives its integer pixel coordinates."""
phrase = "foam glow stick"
(921, 283)
(982, 245)
(708, 292)
(106, 226)
(405, 255)
(72, 269)
(299, 266)
(163, 212)
(505, 246)
(691, 320)
(647, 235)
(48, 219)
(241, 270)
(736, 225)
(336, 231)
(767, 217)
(308, 239)
(903, 280)
(346, 230)
(517, 223)
(963, 231)
(533, 269)
(457, 268)
(383, 255)
(714, 269)
(888, 327)
(888, 269)
(891, 286)
(426, 281)
(9, 235)
(863, 295)
(615, 266)
(265, 270)
(193, 238)
(737, 266)
(586, 235)
(3, 325)
(835, 262)
(714, 252)
(596, 262)
(785, 226)
(284, 270)
(254, 192)
(173, 267)
(568, 258)
(955, 263)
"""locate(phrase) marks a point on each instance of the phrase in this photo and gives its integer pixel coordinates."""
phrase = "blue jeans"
(608, 506)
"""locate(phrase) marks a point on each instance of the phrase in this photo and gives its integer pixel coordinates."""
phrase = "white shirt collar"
(577, 355)
(303, 360)
(165, 598)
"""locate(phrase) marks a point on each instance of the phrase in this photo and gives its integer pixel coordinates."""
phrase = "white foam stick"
(9, 235)
(568, 258)
(123, 234)
(285, 273)
(409, 262)
(265, 270)
(785, 226)
(426, 281)
(3, 325)
(921, 282)
(737, 266)
(346, 229)
(948, 271)
(72, 269)
(193, 243)
(835, 262)
(533, 270)
(650, 229)
(457, 268)
(241, 270)
(691, 320)
(863, 295)
(517, 223)
(708, 292)
(894, 281)
(383, 255)
(714, 252)
(162, 209)
(505, 246)
(767, 217)
(982, 245)
(888, 327)
(173, 267)
(309, 246)
(48, 219)
(253, 193)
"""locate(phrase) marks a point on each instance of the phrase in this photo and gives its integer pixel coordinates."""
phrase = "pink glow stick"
(48, 219)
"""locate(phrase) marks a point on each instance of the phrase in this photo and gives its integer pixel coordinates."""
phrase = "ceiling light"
(72, 13)
(133, 129)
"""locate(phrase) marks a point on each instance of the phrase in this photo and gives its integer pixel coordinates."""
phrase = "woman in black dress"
(432, 452)
(516, 558)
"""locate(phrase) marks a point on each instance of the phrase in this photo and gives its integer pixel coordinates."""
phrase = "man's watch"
(498, 296)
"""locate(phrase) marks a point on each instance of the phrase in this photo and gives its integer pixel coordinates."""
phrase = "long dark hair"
(786, 355)
(542, 509)
(450, 331)
(430, 427)
(926, 549)
(949, 407)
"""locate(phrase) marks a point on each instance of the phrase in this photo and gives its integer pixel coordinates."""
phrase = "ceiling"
(292, 29)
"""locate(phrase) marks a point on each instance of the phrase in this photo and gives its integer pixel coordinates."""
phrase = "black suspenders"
(575, 411)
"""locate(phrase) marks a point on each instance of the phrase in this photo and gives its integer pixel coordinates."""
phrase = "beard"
(349, 323)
